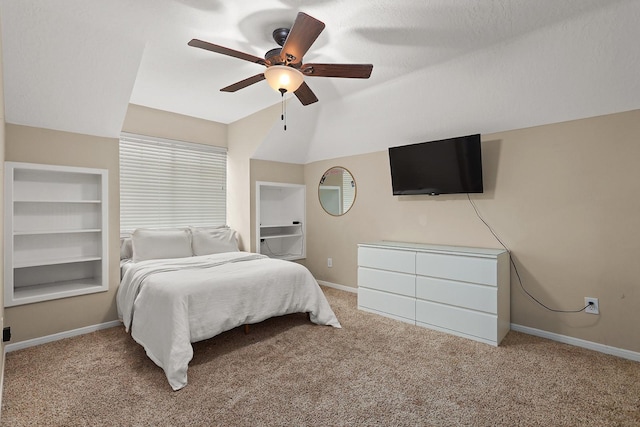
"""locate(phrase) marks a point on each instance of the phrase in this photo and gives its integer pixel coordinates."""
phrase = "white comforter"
(168, 304)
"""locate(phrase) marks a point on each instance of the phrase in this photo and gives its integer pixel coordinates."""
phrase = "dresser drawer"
(465, 295)
(387, 259)
(473, 323)
(395, 305)
(387, 281)
(458, 267)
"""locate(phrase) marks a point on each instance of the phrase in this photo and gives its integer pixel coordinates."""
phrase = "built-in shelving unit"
(56, 240)
(280, 220)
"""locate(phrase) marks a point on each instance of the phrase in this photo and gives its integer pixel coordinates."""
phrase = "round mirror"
(337, 191)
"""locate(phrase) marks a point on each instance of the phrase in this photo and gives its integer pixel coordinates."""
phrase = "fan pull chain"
(283, 113)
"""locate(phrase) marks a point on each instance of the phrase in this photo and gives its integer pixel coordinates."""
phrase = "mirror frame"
(355, 190)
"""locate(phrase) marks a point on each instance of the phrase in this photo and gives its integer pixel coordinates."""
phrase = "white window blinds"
(166, 183)
(348, 191)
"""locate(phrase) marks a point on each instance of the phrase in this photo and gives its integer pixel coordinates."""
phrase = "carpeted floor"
(287, 371)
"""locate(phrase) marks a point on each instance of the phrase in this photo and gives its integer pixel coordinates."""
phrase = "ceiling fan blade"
(304, 32)
(352, 71)
(243, 83)
(226, 51)
(305, 94)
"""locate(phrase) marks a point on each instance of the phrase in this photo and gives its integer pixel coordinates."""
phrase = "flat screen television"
(447, 166)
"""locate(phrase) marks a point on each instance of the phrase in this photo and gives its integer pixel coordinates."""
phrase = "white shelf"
(54, 290)
(285, 257)
(39, 232)
(56, 224)
(280, 231)
(280, 220)
(280, 236)
(42, 262)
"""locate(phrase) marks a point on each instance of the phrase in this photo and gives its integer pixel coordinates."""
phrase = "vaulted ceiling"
(442, 68)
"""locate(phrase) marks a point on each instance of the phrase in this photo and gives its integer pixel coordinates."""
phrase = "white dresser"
(459, 290)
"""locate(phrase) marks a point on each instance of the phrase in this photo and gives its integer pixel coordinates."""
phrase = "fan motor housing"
(280, 35)
(273, 53)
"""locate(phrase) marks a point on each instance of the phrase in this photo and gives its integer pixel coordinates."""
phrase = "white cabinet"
(55, 236)
(459, 290)
(280, 220)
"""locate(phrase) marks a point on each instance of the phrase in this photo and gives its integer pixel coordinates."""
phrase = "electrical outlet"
(592, 305)
(329, 262)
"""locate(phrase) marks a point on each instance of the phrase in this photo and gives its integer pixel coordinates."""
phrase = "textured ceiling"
(442, 68)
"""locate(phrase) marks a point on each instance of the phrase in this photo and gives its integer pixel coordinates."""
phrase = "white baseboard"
(336, 286)
(61, 335)
(4, 359)
(614, 351)
(620, 352)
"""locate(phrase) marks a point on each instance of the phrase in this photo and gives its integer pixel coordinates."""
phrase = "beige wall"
(163, 124)
(36, 145)
(244, 137)
(562, 197)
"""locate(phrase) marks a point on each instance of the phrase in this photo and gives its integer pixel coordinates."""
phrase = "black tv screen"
(447, 166)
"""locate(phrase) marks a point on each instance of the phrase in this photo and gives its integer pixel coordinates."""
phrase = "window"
(166, 183)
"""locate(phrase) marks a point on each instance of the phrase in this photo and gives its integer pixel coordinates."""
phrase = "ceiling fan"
(285, 70)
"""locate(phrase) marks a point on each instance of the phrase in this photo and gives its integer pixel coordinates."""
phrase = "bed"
(172, 293)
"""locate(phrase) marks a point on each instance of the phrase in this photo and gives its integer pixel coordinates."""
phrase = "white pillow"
(213, 240)
(157, 243)
(126, 249)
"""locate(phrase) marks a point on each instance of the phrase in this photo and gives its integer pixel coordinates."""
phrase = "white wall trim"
(336, 286)
(620, 352)
(61, 335)
(4, 360)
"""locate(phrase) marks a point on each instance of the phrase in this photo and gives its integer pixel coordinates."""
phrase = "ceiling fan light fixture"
(284, 64)
(283, 77)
